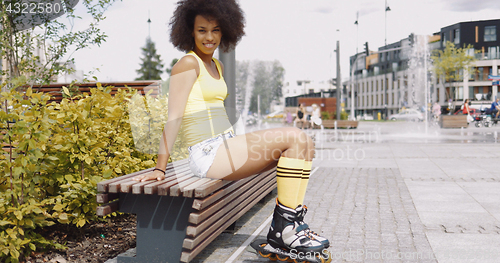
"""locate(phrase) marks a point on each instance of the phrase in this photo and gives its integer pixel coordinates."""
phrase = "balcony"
(487, 55)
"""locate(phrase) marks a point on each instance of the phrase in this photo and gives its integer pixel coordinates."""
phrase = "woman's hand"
(158, 175)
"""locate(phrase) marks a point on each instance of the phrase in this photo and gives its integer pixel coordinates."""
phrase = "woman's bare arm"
(183, 76)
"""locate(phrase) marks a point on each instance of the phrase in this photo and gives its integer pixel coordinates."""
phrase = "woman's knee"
(310, 148)
(299, 137)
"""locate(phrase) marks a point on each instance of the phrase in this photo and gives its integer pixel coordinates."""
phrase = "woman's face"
(207, 35)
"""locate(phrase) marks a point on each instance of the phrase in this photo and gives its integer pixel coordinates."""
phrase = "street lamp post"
(353, 67)
(387, 8)
(386, 113)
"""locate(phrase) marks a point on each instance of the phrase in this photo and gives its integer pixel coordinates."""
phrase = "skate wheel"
(319, 259)
(327, 257)
(282, 258)
(271, 256)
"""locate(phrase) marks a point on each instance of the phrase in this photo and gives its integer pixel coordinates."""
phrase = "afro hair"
(227, 13)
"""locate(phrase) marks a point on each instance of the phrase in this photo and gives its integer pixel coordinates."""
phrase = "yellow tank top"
(205, 115)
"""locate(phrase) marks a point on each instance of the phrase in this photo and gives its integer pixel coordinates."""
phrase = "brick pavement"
(416, 195)
(367, 214)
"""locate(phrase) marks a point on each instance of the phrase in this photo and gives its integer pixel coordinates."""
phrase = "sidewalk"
(389, 192)
(392, 192)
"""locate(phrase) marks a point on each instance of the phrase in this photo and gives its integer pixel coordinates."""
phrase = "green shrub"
(344, 115)
(328, 115)
(61, 151)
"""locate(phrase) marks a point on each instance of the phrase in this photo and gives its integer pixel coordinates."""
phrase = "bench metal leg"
(161, 226)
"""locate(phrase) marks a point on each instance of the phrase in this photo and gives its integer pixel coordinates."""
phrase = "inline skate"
(288, 240)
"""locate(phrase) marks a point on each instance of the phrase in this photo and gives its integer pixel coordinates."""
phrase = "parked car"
(407, 115)
(365, 117)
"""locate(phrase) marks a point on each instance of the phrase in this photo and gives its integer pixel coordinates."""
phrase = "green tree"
(450, 65)
(37, 48)
(166, 84)
(172, 63)
(241, 83)
(151, 66)
(268, 83)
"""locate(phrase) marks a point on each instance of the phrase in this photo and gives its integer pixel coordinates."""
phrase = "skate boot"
(287, 240)
(301, 212)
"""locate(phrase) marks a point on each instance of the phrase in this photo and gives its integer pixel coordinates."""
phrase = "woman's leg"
(310, 152)
(248, 154)
(306, 172)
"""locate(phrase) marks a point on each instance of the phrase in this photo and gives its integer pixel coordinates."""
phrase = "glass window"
(490, 33)
(456, 36)
(460, 93)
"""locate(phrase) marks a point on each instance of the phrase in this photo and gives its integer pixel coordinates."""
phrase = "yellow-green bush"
(61, 151)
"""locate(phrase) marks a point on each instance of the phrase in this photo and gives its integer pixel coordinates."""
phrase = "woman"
(300, 116)
(196, 111)
(316, 116)
(465, 107)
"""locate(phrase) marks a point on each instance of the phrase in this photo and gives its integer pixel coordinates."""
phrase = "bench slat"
(164, 189)
(107, 208)
(177, 189)
(207, 189)
(87, 89)
(198, 217)
(152, 188)
(139, 188)
(58, 96)
(126, 187)
(102, 198)
(178, 175)
(115, 187)
(340, 124)
(198, 244)
(115, 84)
(102, 187)
(200, 204)
(228, 210)
(188, 191)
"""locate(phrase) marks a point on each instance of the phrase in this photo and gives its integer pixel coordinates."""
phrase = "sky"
(301, 34)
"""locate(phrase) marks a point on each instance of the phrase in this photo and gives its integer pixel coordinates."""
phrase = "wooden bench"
(453, 121)
(180, 215)
(340, 124)
(143, 86)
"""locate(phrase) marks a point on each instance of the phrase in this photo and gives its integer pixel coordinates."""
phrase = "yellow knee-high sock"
(303, 182)
(288, 176)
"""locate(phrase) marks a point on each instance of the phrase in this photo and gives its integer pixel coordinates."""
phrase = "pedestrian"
(495, 108)
(316, 116)
(466, 107)
(301, 116)
(436, 110)
(196, 112)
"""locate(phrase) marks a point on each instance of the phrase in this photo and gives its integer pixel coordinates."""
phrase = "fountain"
(419, 65)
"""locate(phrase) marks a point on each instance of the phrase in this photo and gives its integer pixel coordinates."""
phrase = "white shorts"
(202, 154)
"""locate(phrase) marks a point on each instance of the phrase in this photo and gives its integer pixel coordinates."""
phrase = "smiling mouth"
(211, 45)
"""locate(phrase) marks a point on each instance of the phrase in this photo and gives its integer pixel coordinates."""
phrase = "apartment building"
(386, 80)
